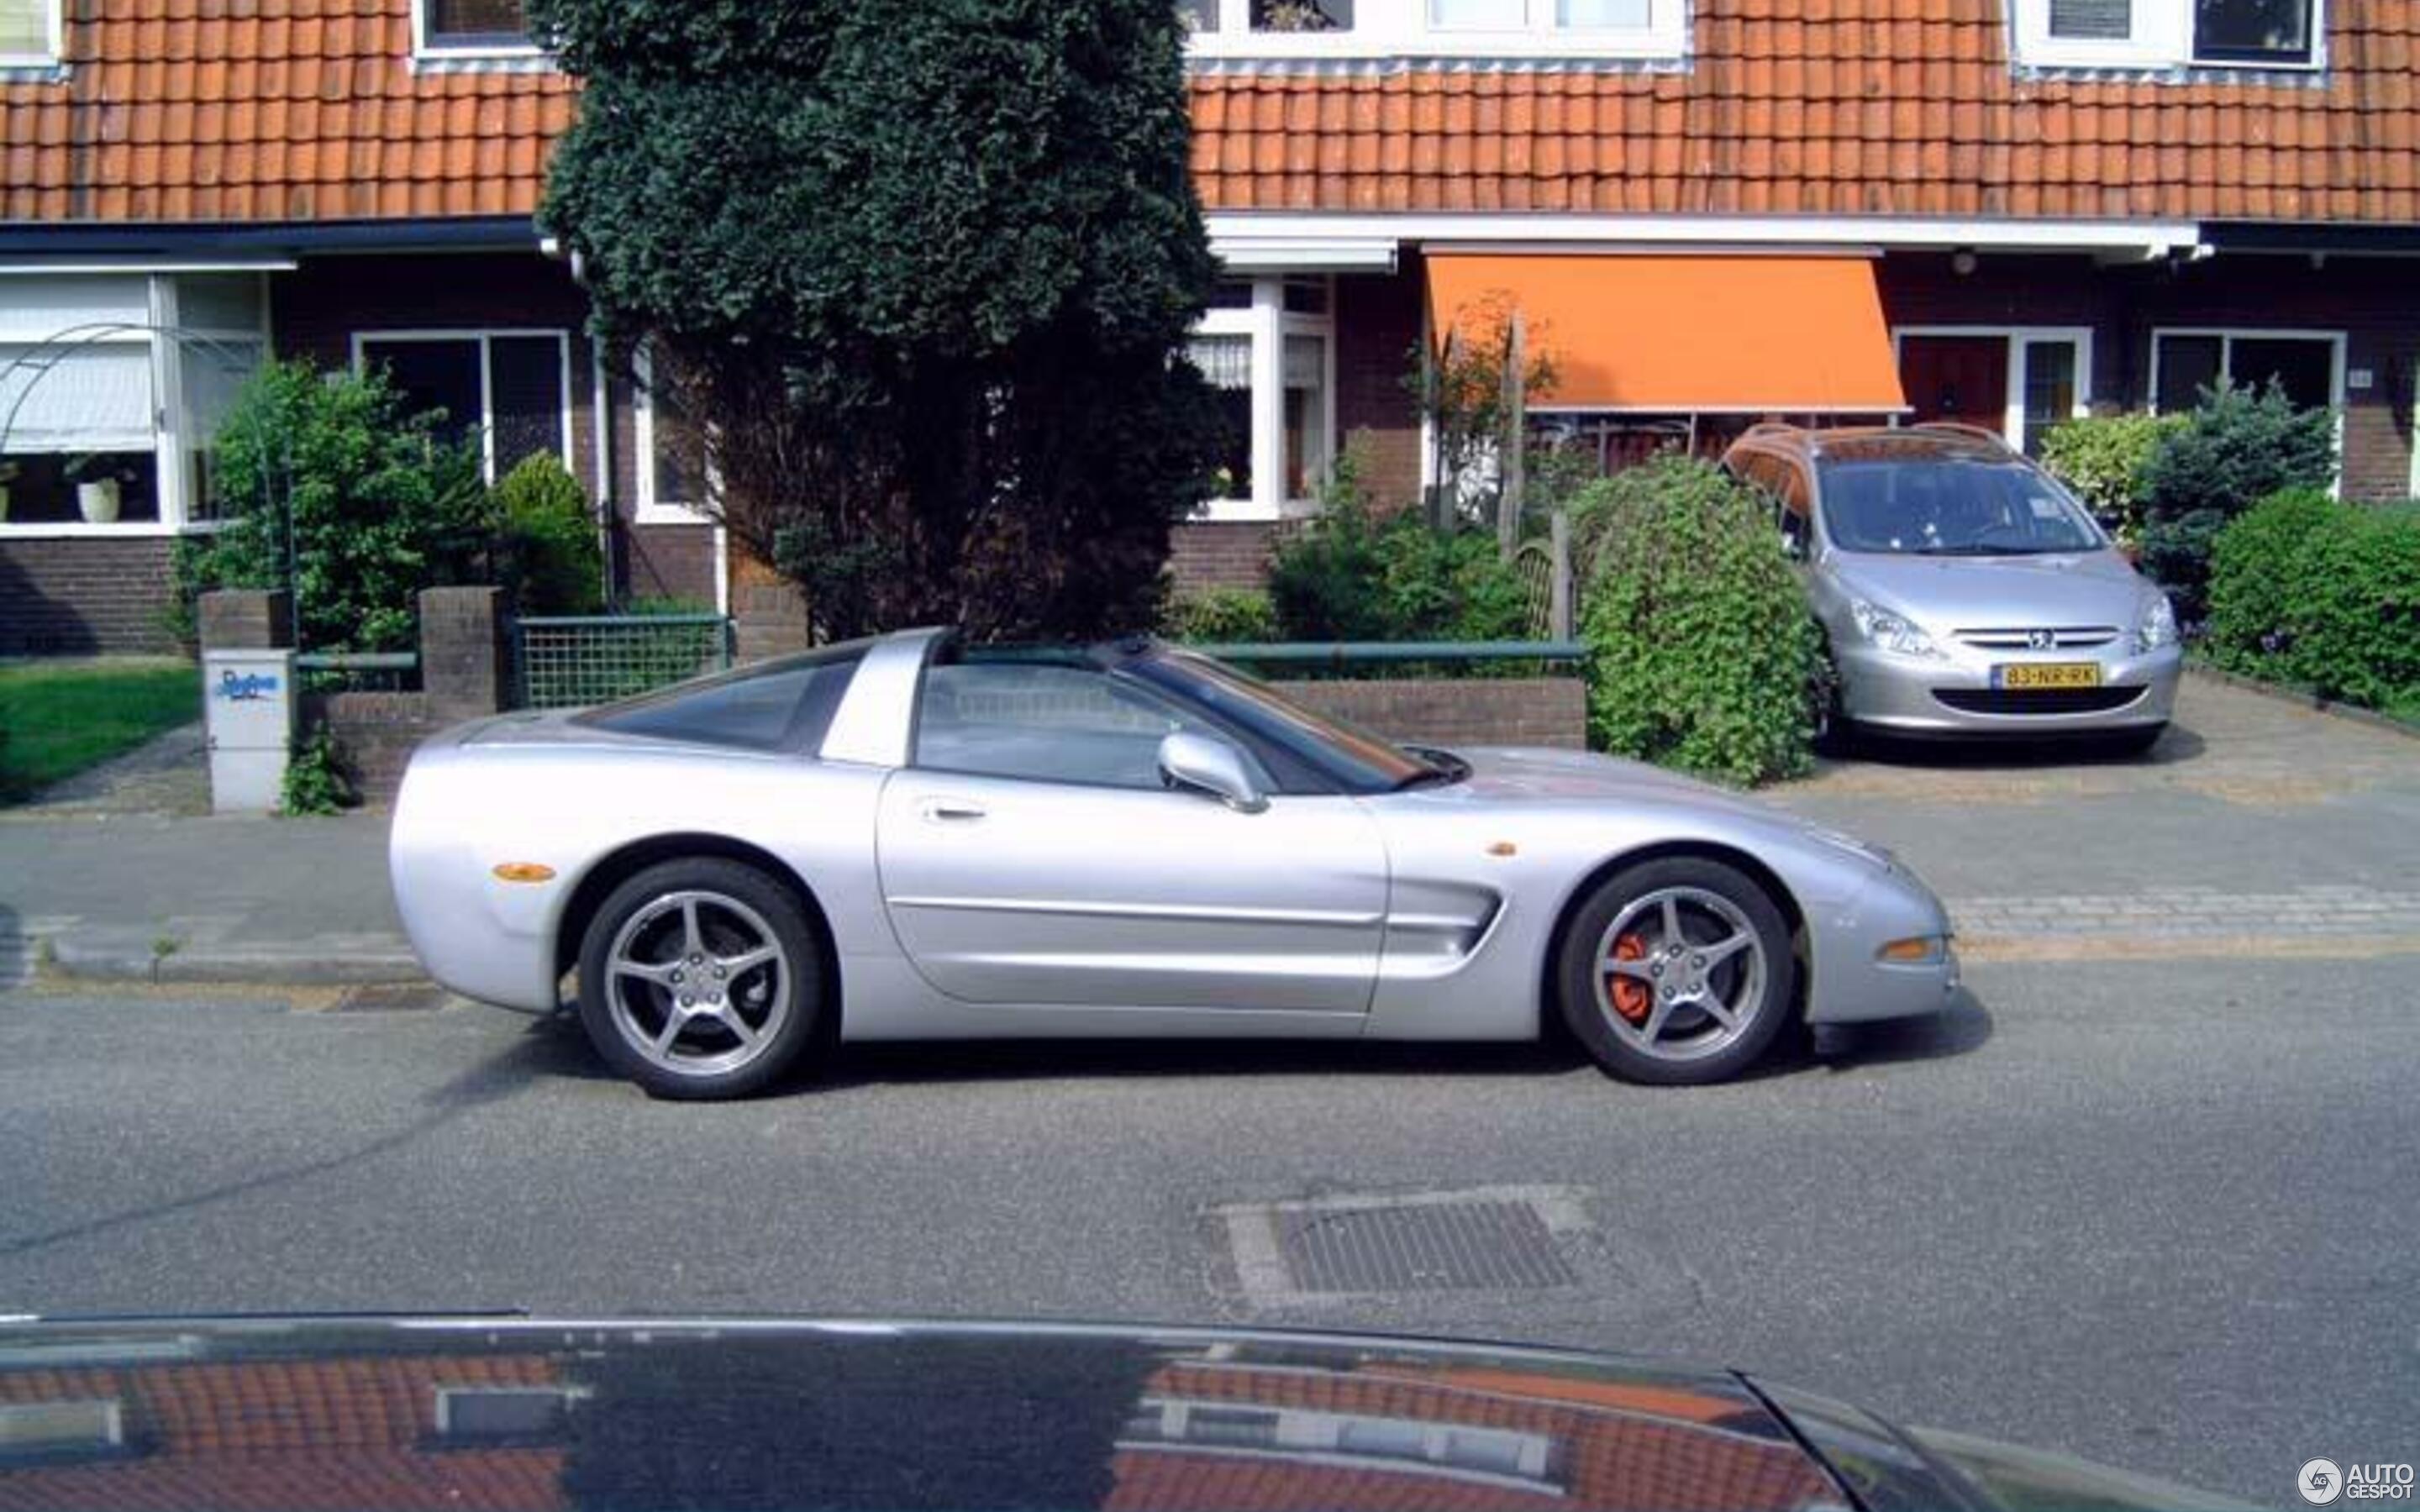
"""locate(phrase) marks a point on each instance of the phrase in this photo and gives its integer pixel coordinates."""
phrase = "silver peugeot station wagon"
(1963, 591)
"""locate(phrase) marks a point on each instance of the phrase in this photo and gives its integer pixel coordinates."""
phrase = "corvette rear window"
(775, 705)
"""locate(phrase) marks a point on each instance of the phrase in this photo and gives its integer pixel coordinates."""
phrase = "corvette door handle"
(951, 812)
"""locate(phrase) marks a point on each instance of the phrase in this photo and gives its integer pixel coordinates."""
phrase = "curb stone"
(119, 955)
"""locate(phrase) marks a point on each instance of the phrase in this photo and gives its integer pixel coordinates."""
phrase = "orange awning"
(1685, 334)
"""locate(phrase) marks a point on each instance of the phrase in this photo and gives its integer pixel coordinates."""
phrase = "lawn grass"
(59, 717)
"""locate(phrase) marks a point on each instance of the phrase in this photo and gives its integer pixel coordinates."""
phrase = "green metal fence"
(568, 663)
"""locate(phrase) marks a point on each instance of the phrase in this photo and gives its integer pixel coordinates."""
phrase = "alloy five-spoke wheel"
(700, 978)
(1677, 971)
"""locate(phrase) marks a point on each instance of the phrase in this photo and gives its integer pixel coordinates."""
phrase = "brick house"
(1711, 211)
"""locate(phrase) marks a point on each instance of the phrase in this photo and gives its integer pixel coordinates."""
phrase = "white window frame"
(2228, 335)
(177, 479)
(485, 338)
(428, 49)
(2162, 39)
(1267, 322)
(653, 510)
(47, 61)
(2012, 414)
(1401, 28)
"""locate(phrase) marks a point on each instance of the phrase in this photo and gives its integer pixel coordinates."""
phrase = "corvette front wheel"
(1677, 972)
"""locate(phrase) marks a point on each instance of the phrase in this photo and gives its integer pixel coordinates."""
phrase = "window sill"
(669, 514)
(446, 60)
(2168, 71)
(1512, 48)
(67, 530)
(24, 69)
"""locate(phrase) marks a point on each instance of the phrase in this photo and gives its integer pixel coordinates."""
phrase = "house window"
(1270, 363)
(1433, 28)
(474, 25)
(61, 1430)
(111, 391)
(2170, 33)
(30, 33)
(508, 390)
(2308, 365)
(674, 483)
(482, 1415)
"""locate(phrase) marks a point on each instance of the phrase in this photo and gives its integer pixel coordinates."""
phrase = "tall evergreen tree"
(917, 271)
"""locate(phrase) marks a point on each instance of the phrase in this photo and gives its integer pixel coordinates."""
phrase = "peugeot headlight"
(1892, 632)
(2158, 627)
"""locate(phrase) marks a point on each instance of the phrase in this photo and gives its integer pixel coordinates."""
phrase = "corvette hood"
(1998, 593)
(1519, 775)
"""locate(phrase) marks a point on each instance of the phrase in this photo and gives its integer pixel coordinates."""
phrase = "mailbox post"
(250, 698)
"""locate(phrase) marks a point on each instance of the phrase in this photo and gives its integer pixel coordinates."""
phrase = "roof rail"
(1763, 427)
(1960, 427)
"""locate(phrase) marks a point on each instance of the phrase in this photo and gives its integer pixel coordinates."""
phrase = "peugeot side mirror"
(1205, 763)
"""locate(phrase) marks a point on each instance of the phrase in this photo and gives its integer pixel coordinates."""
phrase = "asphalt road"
(2162, 1212)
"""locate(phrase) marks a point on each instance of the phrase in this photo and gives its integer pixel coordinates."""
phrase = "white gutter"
(1357, 235)
(141, 265)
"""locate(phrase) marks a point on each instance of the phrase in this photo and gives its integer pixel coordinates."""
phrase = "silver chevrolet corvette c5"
(908, 838)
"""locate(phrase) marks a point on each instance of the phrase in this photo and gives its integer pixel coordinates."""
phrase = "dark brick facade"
(670, 562)
(84, 595)
(1512, 711)
(1378, 323)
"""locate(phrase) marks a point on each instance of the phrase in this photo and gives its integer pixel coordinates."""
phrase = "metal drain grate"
(1492, 1240)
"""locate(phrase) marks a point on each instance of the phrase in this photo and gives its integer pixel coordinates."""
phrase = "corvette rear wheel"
(1677, 972)
(700, 979)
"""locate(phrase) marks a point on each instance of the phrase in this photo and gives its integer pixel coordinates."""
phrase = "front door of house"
(1963, 379)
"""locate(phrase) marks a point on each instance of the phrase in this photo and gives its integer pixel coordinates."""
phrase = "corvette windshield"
(1951, 506)
(1356, 759)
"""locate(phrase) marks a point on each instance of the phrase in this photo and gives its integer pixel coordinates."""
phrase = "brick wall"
(1513, 711)
(1377, 331)
(84, 596)
(1220, 554)
(670, 562)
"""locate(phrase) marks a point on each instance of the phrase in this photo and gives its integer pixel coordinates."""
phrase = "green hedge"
(2323, 595)
(1701, 653)
(1221, 616)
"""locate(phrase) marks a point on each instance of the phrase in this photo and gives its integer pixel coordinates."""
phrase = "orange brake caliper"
(1631, 998)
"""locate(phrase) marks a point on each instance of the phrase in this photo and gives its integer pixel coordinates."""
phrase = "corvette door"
(1032, 856)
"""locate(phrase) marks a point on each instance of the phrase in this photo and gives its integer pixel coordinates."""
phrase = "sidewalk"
(300, 901)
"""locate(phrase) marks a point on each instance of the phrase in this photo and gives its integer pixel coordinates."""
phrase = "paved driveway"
(2255, 828)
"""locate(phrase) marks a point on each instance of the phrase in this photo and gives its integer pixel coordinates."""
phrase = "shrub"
(550, 552)
(1221, 616)
(380, 507)
(318, 781)
(2323, 594)
(1353, 575)
(2104, 458)
(1701, 653)
(2237, 449)
(2256, 567)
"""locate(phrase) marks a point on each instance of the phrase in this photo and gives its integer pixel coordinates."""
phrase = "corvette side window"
(775, 705)
(1046, 722)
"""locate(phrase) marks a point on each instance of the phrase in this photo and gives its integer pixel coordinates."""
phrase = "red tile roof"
(1834, 107)
(310, 110)
(269, 110)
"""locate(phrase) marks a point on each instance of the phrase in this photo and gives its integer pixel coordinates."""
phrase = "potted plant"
(99, 488)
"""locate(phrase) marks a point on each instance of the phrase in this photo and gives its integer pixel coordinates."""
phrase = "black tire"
(1760, 1007)
(725, 1064)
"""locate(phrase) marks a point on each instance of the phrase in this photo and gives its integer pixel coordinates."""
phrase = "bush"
(551, 556)
(380, 506)
(318, 779)
(2237, 449)
(2255, 567)
(2104, 458)
(1702, 654)
(1353, 575)
(1222, 616)
(2323, 594)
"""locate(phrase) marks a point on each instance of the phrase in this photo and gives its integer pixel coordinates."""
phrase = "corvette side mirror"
(1207, 764)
